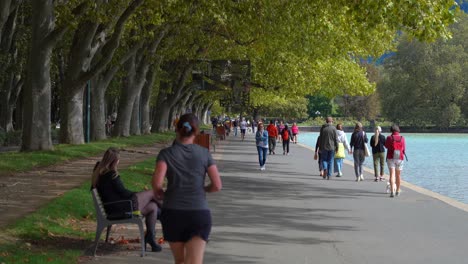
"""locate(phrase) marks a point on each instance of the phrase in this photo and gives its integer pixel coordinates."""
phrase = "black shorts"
(183, 225)
(242, 131)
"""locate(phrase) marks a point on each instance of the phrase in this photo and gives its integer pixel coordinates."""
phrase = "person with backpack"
(286, 137)
(396, 146)
(377, 143)
(358, 141)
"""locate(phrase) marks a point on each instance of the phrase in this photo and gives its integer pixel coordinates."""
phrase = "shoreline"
(404, 129)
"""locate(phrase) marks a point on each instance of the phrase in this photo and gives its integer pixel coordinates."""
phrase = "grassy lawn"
(62, 230)
(23, 161)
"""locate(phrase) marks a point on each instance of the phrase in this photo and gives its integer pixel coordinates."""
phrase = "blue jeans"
(338, 165)
(235, 131)
(327, 160)
(262, 155)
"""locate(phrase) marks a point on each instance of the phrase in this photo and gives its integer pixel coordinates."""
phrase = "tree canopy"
(152, 48)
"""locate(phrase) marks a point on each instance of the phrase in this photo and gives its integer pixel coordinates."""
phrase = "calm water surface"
(437, 162)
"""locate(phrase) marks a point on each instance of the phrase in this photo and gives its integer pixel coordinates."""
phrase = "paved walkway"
(288, 214)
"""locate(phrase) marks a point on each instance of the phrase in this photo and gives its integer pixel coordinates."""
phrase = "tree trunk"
(136, 117)
(37, 92)
(71, 99)
(98, 109)
(127, 99)
(10, 77)
(161, 109)
(71, 117)
(145, 101)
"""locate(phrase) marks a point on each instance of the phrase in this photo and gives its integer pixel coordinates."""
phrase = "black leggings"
(286, 146)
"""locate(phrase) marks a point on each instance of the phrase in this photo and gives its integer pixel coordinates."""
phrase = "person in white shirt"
(243, 128)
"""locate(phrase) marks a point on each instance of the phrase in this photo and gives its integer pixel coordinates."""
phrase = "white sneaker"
(262, 168)
(387, 190)
(361, 177)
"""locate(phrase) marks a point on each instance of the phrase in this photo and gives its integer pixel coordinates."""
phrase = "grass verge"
(61, 231)
(24, 161)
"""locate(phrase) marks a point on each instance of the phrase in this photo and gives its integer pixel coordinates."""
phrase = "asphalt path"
(289, 214)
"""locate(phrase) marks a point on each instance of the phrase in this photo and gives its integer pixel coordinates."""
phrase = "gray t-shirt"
(187, 166)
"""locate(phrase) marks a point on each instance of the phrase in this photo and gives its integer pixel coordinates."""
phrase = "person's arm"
(158, 179)
(119, 187)
(351, 144)
(215, 184)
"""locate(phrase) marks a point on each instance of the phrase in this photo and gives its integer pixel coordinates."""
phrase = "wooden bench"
(103, 220)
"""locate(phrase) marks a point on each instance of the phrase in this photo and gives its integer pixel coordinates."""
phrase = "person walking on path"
(358, 141)
(280, 128)
(235, 123)
(186, 217)
(286, 137)
(261, 140)
(272, 135)
(107, 181)
(377, 143)
(243, 128)
(396, 146)
(295, 132)
(328, 145)
(318, 157)
(340, 153)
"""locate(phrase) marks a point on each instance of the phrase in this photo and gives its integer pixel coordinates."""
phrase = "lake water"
(437, 162)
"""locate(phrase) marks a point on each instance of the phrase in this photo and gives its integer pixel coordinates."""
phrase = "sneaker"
(397, 193)
(361, 177)
(382, 179)
(284, 153)
(376, 180)
(338, 175)
(392, 195)
(388, 188)
(358, 179)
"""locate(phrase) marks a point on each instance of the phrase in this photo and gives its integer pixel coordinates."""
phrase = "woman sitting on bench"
(111, 189)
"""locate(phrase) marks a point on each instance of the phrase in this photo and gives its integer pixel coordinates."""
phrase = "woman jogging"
(185, 217)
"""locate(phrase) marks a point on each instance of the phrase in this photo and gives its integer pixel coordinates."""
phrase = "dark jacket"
(358, 139)
(111, 189)
(328, 138)
(380, 145)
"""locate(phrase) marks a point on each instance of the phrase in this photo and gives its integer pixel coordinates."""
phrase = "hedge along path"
(24, 192)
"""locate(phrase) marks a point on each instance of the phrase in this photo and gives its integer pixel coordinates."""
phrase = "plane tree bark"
(83, 65)
(11, 79)
(37, 89)
(128, 115)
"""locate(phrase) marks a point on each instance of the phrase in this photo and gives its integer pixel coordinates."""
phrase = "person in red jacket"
(272, 135)
(395, 143)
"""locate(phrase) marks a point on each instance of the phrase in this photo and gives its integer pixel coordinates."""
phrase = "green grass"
(23, 161)
(54, 233)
